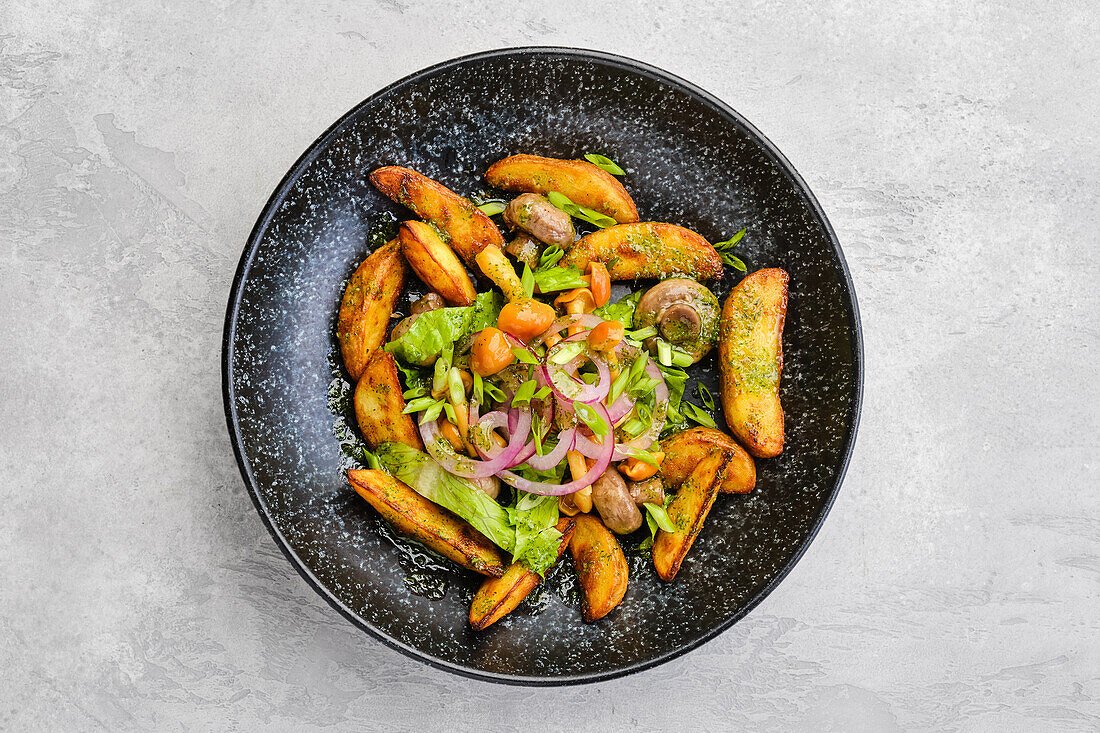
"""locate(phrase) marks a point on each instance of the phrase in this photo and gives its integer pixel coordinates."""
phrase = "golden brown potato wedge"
(601, 566)
(750, 353)
(685, 450)
(368, 304)
(413, 515)
(687, 511)
(583, 183)
(498, 597)
(436, 263)
(647, 249)
(467, 227)
(379, 404)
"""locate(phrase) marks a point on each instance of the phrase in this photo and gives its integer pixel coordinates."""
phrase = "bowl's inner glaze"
(688, 162)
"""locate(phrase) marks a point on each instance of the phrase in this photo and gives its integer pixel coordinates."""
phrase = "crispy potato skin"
(498, 597)
(413, 515)
(468, 228)
(601, 566)
(687, 511)
(435, 263)
(367, 305)
(647, 249)
(379, 404)
(583, 183)
(684, 451)
(750, 354)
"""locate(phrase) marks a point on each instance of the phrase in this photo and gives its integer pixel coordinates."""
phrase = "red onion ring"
(586, 393)
(603, 460)
(443, 454)
(554, 457)
(660, 413)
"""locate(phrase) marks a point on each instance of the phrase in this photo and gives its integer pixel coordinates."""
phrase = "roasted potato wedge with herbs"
(468, 230)
(685, 450)
(435, 263)
(601, 566)
(498, 597)
(367, 305)
(379, 404)
(647, 250)
(582, 182)
(413, 515)
(688, 510)
(750, 354)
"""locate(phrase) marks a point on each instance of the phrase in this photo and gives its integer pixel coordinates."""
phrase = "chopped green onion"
(731, 242)
(417, 405)
(633, 427)
(618, 386)
(432, 412)
(705, 395)
(492, 208)
(567, 353)
(528, 280)
(550, 256)
(524, 355)
(447, 408)
(543, 393)
(642, 333)
(664, 352)
(605, 163)
(581, 212)
(414, 392)
(479, 387)
(694, 412)
(660, 517)
(456, 388)
(591, 418)
(645, 457)
(494, 392)
(524, 393)
(681, 358)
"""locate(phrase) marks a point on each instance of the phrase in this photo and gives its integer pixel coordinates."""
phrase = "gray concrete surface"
(954, 587)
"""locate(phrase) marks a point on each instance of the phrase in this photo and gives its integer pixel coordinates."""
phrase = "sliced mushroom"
(613, 501)
(526, 249)
(685, 314)
(540, 218)
(650, 491)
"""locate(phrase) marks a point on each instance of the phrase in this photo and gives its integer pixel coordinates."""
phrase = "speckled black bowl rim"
(308, 157)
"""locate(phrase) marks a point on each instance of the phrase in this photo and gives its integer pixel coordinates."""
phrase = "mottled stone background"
(956, 585)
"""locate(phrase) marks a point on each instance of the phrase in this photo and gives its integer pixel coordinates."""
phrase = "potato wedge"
(368, 304)
(413, 515)
(685, 450)
(583, 183)
(498, 597)
(687, 511)
(436, 263)
(467, 227)
(379, 404)
(601, 566)
(647, 249)
(750, 354)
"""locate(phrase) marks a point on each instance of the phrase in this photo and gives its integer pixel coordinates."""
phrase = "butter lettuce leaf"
(434, 331)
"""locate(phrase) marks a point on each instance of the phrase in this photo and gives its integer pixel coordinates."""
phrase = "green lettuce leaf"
(435, 330)
(526, 529)
(621, 311)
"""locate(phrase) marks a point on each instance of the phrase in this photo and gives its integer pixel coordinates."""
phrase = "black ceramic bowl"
(690, 160)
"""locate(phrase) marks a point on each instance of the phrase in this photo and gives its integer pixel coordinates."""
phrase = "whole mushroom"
(684, 312)
(538, 217)
(612, 500)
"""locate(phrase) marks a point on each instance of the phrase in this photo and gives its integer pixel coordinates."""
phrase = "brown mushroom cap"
(612, 500)
(685, 313)
(541, 219)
